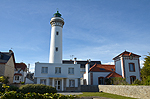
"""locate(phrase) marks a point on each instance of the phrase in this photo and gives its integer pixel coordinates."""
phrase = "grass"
(102, 94)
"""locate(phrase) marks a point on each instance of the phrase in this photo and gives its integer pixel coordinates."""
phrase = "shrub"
(12, 95)
(37, 88)
(147, 81)
(15, 95)
(13, 88)
(119, 81)
(137, 82)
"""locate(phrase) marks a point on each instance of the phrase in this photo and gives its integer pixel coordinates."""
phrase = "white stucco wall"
(128, 73)
(51, 72)
(98, 74)
(118, 67)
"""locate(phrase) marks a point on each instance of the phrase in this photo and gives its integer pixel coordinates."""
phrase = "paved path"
(70, 93)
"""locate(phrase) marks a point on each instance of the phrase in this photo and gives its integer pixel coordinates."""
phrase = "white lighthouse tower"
(57, 23)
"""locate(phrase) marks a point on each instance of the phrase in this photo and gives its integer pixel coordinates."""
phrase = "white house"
(20, 72)
(127, 64)
(64, 77)
(97, 74)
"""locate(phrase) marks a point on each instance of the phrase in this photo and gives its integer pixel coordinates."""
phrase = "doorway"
(58, 85)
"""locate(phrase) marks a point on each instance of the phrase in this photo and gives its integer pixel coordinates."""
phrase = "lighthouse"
(57, 23)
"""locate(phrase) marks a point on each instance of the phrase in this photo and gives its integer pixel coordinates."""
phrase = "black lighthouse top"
(57, 14)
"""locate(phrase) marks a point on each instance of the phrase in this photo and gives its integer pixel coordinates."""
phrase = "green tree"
(145, 71)
(4, 79)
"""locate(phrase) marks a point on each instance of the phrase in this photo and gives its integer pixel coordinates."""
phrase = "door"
(101, 80)
(58, 85)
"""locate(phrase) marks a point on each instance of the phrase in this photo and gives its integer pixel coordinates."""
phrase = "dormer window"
(102, 69)
(112, 69)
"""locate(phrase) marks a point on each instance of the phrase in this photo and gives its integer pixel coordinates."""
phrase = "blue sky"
(94, 29)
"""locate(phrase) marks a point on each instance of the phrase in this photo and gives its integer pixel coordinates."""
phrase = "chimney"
(89, 60)
(75, 60)
(10, 51)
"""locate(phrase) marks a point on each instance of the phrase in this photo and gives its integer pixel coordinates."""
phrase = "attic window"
(112, 69)
(102, 69)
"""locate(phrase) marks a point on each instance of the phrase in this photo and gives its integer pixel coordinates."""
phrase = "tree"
(4, 79)
(145, 71)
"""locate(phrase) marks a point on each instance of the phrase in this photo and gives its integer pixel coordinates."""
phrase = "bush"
(137, 82)
(15, 95)
(119, 81)
(37, 88)
(147, 81)
(12, 95)
(13, 88)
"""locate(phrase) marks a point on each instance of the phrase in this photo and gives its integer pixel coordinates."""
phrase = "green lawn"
(102, 94)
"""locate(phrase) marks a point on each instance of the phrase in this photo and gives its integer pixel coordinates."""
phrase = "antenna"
(71, 56)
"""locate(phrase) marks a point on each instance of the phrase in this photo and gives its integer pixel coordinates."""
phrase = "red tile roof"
(126, 53)
(113, 74)
(23, 66)
(102, 68)
(18, 74)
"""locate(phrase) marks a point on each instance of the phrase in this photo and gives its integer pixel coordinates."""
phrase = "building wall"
(2, 69)
(51, 70)
(127, 72)
(64, 77)
(9, 69)
(118, 67)
(98, 74)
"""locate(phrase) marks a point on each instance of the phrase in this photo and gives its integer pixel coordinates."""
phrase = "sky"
(94, 29)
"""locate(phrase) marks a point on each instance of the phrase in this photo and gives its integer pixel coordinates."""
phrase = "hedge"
(15, 95)
(37, 88)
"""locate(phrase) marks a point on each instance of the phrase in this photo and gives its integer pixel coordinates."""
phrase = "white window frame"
(44, 70)
(70, 70)
(57, 70)
(71, 83)
(17, 77)
(43, 81)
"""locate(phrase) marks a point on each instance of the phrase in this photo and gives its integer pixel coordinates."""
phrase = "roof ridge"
(92, 67)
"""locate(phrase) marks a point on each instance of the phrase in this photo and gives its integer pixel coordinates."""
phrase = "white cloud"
(32, 68)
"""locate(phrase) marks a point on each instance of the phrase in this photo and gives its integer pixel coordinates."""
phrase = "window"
(16, 77)
(112, 69)
(132, 79)
(57, 33)
(56, 48)
(43, 81)
(70, 70)
(131, 67)
(44, 70)
(71, 83)
(57, 70)
(102, 69)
